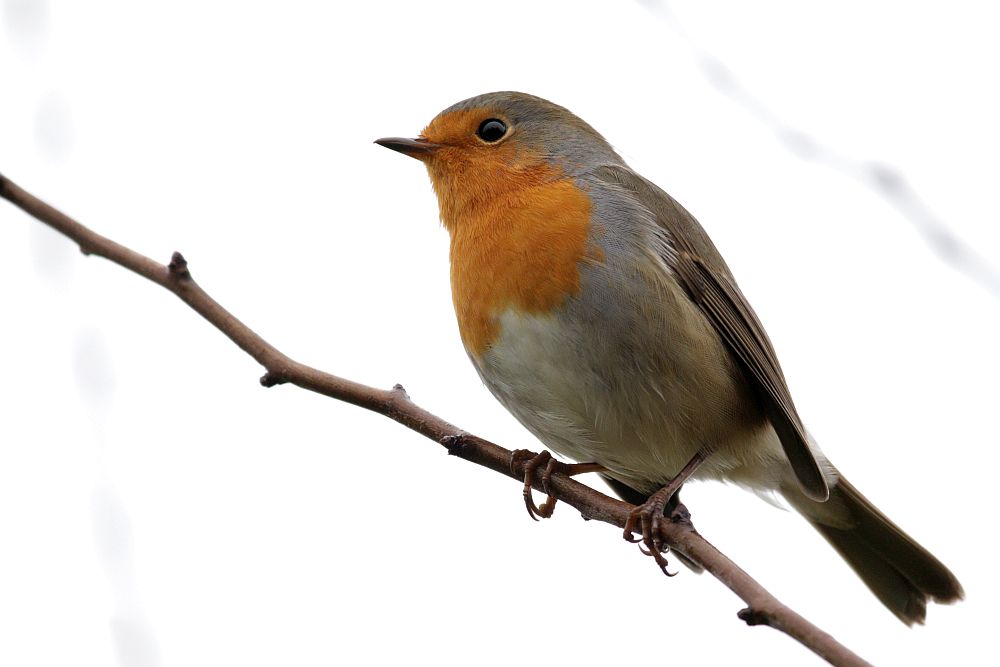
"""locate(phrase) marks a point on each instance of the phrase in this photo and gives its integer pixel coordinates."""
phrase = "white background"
(157, 507)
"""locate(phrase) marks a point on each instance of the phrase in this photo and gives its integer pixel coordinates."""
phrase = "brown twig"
(763, 608)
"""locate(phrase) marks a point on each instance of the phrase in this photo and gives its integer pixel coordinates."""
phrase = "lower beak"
(416, 148)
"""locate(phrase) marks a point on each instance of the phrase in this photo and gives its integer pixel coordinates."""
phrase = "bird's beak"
(419, 148)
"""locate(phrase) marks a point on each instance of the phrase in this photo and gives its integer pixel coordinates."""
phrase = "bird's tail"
(900, 572)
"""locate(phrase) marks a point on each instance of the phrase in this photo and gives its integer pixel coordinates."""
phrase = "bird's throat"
(516, 248)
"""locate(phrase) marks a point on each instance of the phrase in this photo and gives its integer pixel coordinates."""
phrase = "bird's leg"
(651, 513)
(552, 466)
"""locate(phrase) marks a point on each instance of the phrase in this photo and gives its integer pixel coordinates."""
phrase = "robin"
(599, 313)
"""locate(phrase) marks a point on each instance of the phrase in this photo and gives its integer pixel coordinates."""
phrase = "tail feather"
(901, 573)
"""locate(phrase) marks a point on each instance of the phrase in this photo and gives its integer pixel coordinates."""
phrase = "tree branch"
(763, 608)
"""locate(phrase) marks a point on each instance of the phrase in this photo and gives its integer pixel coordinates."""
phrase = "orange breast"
(520, 249)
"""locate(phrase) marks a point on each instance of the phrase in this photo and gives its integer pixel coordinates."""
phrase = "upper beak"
(417, 148)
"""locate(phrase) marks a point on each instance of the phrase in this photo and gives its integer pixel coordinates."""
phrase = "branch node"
(270, 379)
(454, 443)
(178, 267)
(400, 390)
(752, 616)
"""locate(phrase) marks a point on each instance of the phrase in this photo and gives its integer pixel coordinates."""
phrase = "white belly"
(640, 399)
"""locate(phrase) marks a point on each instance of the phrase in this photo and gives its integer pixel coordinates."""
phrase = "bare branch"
(763, 608)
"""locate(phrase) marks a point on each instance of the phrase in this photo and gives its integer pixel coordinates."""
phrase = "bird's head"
(498, 144)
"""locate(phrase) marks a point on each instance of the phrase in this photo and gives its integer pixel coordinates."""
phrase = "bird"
(598, 311)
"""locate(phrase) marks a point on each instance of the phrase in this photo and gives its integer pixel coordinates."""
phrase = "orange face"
(519, 227)
(469, 172)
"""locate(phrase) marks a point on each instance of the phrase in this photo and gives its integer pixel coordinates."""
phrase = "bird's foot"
(649, 516)
(532, 462)
(652, 513)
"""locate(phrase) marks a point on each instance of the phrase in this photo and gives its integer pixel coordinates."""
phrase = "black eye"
(492, 129)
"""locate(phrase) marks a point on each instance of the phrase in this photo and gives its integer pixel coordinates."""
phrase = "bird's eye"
(491, 130)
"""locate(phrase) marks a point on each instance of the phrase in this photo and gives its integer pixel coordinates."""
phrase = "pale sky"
(158, 507)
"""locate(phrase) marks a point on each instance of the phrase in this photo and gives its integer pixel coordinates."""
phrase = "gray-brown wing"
(708, 281)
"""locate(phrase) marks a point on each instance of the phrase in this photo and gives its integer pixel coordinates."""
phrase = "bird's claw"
(649, 517)
(532, 462)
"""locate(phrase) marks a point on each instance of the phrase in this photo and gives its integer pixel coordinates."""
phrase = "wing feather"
(709, 283)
